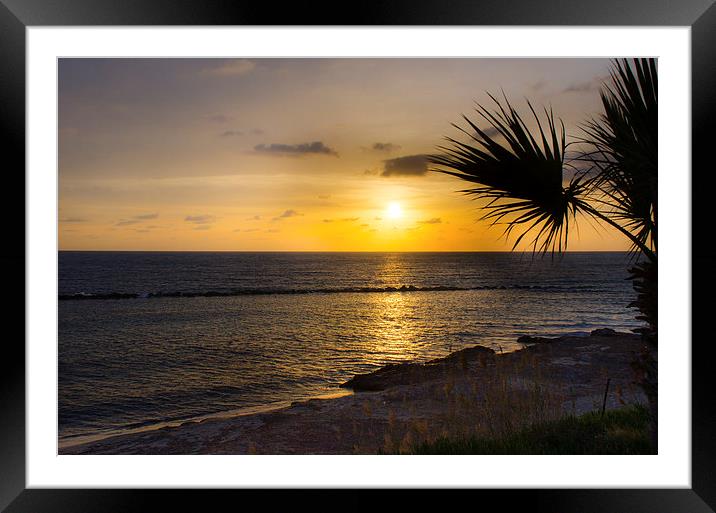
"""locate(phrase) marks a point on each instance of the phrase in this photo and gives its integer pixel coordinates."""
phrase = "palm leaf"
(623, 149)
(522, 179)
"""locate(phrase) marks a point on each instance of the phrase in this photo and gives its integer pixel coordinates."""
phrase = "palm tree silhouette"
(532, 187)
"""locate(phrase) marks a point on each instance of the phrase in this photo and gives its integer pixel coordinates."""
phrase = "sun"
(394, 211)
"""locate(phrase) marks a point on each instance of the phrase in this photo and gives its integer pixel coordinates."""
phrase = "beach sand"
(473, 391)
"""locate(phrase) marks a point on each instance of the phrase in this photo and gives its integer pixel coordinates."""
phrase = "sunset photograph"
(383, 256)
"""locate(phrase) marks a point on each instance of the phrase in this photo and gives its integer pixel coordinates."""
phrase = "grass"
(622, 431)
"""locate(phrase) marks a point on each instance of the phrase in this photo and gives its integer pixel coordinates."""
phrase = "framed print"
(410, 248)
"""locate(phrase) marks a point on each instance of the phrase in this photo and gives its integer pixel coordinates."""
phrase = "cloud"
(580, 87)
(386, 147)
(219, 118)
(410, 165)
(317, 148)
(538, 86)
(231, 68)
(73, 220)
(434, 220)
(203, 227)
(286, 214)
(136, 219)
(588, 86)
(342, 220)
(202, 219)
(232, 133)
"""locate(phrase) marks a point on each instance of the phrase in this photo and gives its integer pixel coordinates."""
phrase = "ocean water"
(148, 339)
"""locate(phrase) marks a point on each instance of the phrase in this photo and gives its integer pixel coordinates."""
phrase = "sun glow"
(394, 211)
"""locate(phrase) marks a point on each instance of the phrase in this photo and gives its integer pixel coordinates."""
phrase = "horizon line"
(325, 251)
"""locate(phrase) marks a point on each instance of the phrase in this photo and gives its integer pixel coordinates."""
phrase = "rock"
(604, 332)
(409, 373)
(528, 339)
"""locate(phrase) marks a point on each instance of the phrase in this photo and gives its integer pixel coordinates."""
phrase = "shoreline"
(399, 404)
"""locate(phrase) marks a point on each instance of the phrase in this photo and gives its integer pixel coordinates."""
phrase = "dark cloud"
(202, 219)
(410, 165)
(127, 222)
(349, 219)
(146, 216)
(73, 220)
(386, 147)
(328, 220)
(434, 220)
(316, 148)
(286, 214)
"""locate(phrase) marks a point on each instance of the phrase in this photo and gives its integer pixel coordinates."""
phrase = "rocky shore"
(472, 391)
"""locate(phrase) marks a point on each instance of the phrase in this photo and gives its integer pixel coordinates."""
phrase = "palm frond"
(623, 149)
(522, 179)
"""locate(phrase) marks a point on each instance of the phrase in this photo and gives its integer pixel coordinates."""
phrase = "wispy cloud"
(316, 148)
(286, 214)
(232, 133)
(410, 165)
(587, 86)
(219, 118)
(143, 217)
(386, 147)
(136, 219)
(231, 68)
(200, 219)
(434, 220)
(127, 222)
(342, 220)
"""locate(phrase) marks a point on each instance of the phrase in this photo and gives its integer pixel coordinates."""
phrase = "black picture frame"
(17, 15)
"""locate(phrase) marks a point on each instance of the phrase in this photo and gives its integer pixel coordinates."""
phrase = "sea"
(151, 339)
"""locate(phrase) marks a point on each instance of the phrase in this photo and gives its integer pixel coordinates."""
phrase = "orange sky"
(295, 155)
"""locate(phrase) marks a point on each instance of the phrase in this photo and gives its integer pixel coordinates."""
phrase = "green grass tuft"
(622, 431)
